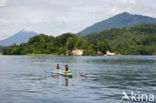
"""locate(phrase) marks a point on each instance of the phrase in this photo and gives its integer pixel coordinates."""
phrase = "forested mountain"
(121, 20)
(22, 36)
(139, 39)
(136, 40)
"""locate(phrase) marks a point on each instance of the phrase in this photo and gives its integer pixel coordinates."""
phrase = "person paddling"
(66, 69)
(57, 67)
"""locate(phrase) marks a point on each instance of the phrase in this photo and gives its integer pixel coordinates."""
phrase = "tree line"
(60, 45)
(2, 47)
(136, 40)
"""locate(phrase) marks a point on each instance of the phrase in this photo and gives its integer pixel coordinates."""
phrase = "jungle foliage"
(136, 40)
(44, 44)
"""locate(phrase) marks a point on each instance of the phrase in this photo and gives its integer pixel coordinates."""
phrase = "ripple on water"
(24, 80)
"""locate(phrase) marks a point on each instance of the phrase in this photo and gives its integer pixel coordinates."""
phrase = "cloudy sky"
(55, 17)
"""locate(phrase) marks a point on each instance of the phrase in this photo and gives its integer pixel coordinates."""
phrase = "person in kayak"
(57, 67)
(66, 69)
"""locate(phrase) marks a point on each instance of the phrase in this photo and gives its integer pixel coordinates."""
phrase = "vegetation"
(2, 47)
(136, 40)
(43, 44)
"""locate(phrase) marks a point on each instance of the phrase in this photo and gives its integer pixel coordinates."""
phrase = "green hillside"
(139, 39)
(60, 45)
(136, 40)
(121, 20)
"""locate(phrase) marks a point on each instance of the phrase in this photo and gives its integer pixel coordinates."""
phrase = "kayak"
(72, 73)
(64, 74)
(61, 72)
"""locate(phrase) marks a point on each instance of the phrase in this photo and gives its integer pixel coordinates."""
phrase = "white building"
(77, 52)
(108, 53)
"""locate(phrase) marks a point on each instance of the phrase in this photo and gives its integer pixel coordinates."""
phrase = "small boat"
(61, 72)
(64, 74)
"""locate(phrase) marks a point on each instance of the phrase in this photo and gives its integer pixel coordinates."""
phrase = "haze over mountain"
(124, 19)
(21, 36)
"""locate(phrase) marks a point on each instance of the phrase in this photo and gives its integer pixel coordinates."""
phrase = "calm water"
(23, 79)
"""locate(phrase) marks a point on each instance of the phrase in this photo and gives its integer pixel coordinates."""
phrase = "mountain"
(22, 36)
(139, 39)
(121, 20)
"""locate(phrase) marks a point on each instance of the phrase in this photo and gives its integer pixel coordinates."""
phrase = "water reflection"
(66, 81)
(55, 76)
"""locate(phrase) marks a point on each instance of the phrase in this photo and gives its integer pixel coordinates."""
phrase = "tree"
(71, 42)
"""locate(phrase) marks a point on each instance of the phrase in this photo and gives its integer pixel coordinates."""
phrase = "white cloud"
(4, 21)
(3, 3)
(34, 20)
(126, 2)
(132, 1)
(27, 29)
(4, 33)
(34, 15)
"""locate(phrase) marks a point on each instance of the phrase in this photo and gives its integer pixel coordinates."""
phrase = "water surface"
(23, 78)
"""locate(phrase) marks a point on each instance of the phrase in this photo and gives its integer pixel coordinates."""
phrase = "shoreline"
(71, 55)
